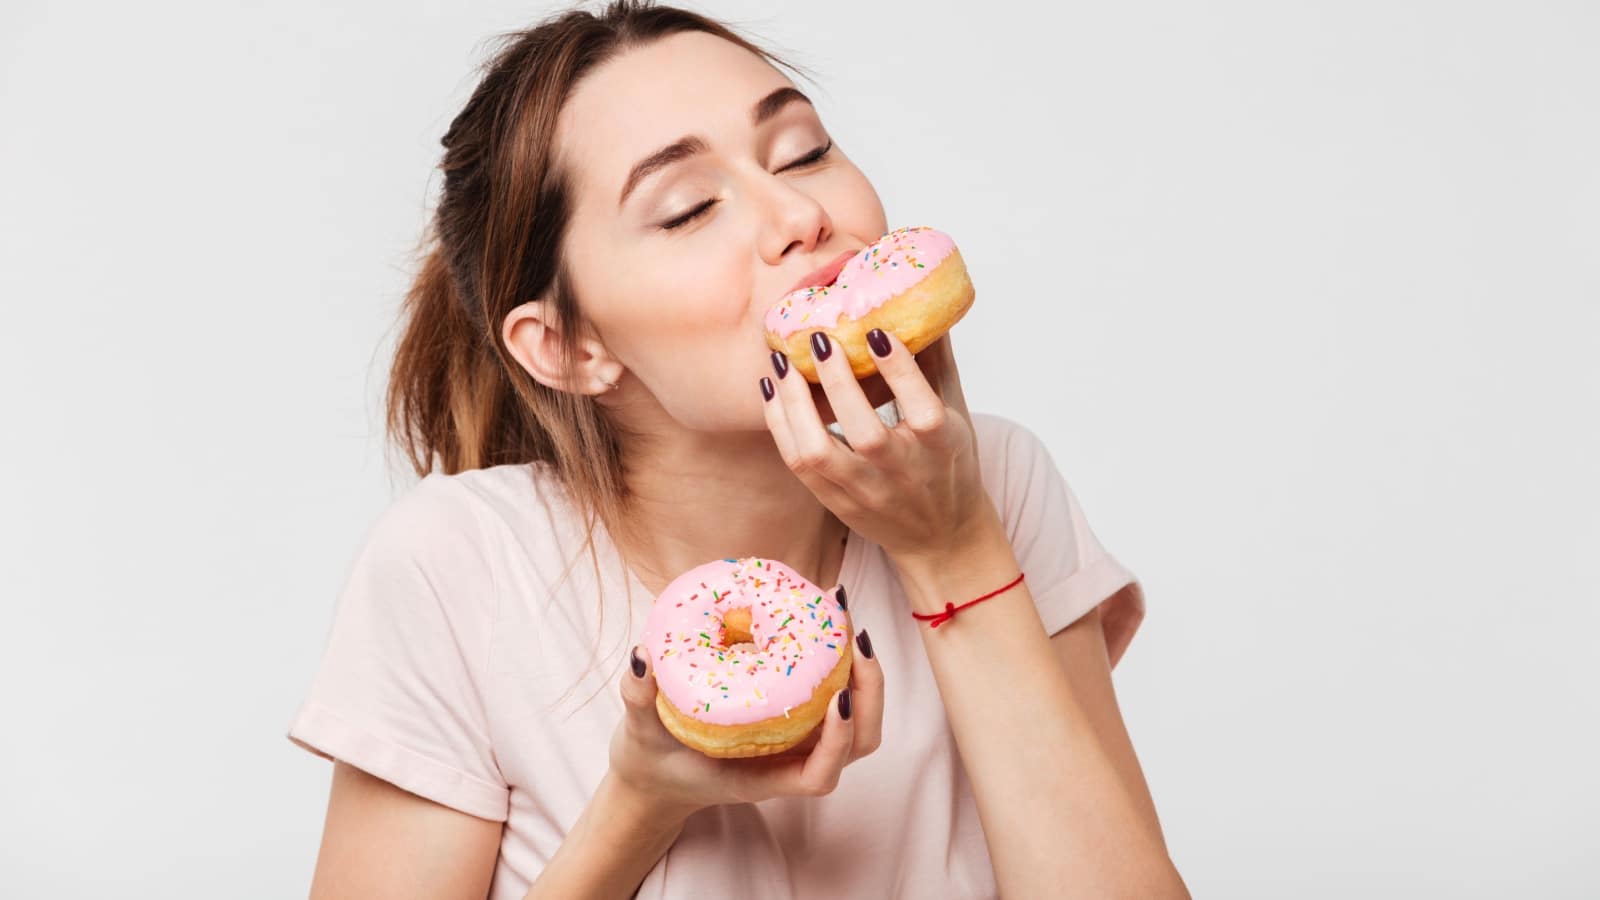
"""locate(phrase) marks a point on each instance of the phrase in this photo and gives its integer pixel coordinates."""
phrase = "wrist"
(983, 561)
(640, 814)
(981, 530)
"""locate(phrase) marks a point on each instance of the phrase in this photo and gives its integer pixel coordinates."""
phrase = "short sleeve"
(398, 692)
(1068, 571)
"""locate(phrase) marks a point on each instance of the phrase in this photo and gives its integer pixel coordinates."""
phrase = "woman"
(584, 357)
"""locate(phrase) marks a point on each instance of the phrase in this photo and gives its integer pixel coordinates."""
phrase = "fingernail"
(820, 345)
(766, 388)
(865, 643)
(638, 664)
(879, 342)
(780, 363)
(844, 704)
(841, 599)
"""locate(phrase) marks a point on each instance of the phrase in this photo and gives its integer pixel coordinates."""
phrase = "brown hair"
(455, 395)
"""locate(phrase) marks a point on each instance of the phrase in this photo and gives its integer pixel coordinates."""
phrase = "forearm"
(1055, 811)
(615, 843)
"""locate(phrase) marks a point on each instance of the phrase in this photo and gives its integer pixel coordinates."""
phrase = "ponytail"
(446, 389)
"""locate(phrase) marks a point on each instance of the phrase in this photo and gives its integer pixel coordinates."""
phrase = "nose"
(795, 221)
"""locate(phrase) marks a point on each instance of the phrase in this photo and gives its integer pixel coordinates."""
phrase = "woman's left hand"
(914, 489)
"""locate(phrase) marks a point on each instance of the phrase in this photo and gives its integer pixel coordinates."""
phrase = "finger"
(778, 423)
(815, 450)
(866, 697)
(920, 407)
(860, 423)
(639, 693)
(777, 416)
(819, 774)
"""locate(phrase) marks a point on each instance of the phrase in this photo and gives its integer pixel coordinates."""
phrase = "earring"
(611, 384)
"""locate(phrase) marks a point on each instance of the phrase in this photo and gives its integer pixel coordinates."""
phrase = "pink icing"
(886, 267)
(797, 628)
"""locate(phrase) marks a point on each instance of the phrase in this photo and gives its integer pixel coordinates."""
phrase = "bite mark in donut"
(911, 282)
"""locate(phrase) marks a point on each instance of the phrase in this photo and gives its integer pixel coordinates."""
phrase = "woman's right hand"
(657, 766)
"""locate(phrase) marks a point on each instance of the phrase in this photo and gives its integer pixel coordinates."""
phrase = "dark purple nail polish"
(766, 388)
(865, 643)
(879, 342)
(638, 664)
(841, 599)
(844, 704)
(820, 345)
(780, 363)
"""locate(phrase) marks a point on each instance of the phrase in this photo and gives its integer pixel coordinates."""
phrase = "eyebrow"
(689, 145)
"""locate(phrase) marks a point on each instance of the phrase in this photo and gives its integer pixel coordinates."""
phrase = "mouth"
(826, 275)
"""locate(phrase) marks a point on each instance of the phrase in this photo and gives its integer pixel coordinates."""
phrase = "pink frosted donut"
(911, 282)
(747, 654)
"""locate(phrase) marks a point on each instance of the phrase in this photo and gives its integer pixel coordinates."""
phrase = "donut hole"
(736, 628)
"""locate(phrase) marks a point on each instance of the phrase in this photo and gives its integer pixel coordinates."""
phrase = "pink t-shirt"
(461, 666)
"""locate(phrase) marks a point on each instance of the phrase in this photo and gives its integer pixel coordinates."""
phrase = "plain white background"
(1302, 297)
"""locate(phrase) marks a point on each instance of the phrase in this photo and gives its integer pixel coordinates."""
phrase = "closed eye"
(811, 158)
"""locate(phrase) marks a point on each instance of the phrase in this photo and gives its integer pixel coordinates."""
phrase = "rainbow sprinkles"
(796, 640)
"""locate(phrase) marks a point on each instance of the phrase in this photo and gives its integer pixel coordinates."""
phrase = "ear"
(532, 335)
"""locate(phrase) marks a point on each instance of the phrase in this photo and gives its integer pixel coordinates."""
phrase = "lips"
(825, 275)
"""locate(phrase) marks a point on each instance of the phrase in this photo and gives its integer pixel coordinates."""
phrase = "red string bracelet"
(950, 609)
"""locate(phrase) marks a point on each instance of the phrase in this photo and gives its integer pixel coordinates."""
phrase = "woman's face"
(677, 266)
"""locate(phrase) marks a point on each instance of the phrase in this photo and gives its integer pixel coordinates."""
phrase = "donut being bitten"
(747, 655)
(911, 282)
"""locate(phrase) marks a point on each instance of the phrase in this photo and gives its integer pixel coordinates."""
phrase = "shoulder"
(1034, 498)
(451, 530)
(476, 503)
(1009, 454)
(1069, 571)
(516, 524)
(994, 430)
(429, 516)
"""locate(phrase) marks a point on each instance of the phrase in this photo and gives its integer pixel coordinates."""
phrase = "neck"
(705, 496)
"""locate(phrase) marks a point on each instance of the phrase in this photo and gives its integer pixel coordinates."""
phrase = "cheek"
(696, 298)
(855, 206)
(688, 326)
(657, 294)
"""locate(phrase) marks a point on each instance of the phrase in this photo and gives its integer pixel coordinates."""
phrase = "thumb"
(639, 687)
